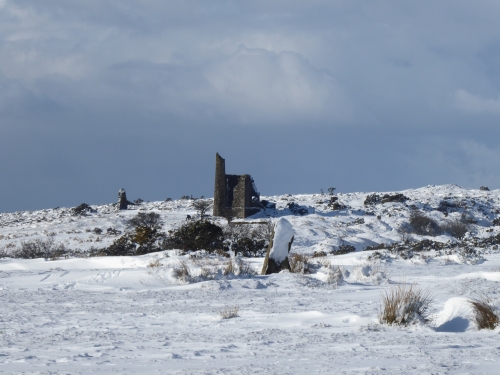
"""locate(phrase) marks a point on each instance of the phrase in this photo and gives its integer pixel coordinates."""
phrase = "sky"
(377, 95)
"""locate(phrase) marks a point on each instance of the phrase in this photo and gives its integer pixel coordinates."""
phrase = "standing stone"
(279, 247)
(122, 199)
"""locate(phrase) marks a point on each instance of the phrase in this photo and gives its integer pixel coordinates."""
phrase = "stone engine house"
(234, 195)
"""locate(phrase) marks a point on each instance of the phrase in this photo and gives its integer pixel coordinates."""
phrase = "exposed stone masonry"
(234, 195)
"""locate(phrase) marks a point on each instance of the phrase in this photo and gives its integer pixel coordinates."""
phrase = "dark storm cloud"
(361, 95)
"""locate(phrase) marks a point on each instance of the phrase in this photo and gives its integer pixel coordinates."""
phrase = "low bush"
(484, 312)
(247, 239)
(40, 248)
(151, 220)
(457, 228)
(423, 225)
(81, 210)
(404, 304)
(196, 235)
(344, 249)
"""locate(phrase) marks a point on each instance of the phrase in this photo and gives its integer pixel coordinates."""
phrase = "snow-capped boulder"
(279, 247)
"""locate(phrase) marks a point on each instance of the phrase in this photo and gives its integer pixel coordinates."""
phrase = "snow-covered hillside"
(321, 229)
(130, 315)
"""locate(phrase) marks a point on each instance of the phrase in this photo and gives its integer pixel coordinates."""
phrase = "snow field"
(129, 315)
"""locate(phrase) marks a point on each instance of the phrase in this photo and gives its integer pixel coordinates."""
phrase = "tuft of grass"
(299, 263)
(206, 273)
(246, 269)
(335, 276)
(403, 304)
(229, 312)
(155, 264)
(485, 314)
(229, 268)
(182, 272)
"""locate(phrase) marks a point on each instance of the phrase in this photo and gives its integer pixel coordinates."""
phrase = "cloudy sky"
(359, 95)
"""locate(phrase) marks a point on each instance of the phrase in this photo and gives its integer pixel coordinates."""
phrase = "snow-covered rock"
(277, 254)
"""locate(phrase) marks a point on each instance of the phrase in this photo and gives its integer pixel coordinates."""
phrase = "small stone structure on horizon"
(122, 199)
(234, 195)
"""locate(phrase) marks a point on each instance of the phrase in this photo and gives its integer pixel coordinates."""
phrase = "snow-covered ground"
(128, 315)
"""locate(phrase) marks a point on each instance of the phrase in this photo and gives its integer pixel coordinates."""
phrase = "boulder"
(279, 247)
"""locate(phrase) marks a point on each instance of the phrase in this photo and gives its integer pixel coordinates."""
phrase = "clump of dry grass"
(154, 264)
(206, 272)
(182, 271)
(299, 263)
(229, 312)
(335, 276)
(245, 268)
(403, 304)
(485, 314)
(229, 268)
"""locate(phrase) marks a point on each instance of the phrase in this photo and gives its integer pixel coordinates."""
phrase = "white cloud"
(260, 85)
(475, 104)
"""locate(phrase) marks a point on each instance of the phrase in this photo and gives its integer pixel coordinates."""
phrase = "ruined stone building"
(234, 195)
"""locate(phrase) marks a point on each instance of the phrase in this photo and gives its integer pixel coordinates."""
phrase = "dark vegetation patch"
(374, 199)
(196, 235)
(296, 209)
(344, 249)
(82, 210)
(423, 225)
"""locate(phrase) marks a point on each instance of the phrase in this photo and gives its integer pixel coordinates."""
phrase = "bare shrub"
(40, 248)
(150, 220)
(229, 312)
(319, 254)
(299, 263)
(423, 225)
(404, 233)
(202, 206)
(485, 314)
(404, 304)
(182, 272)
(457, 228)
